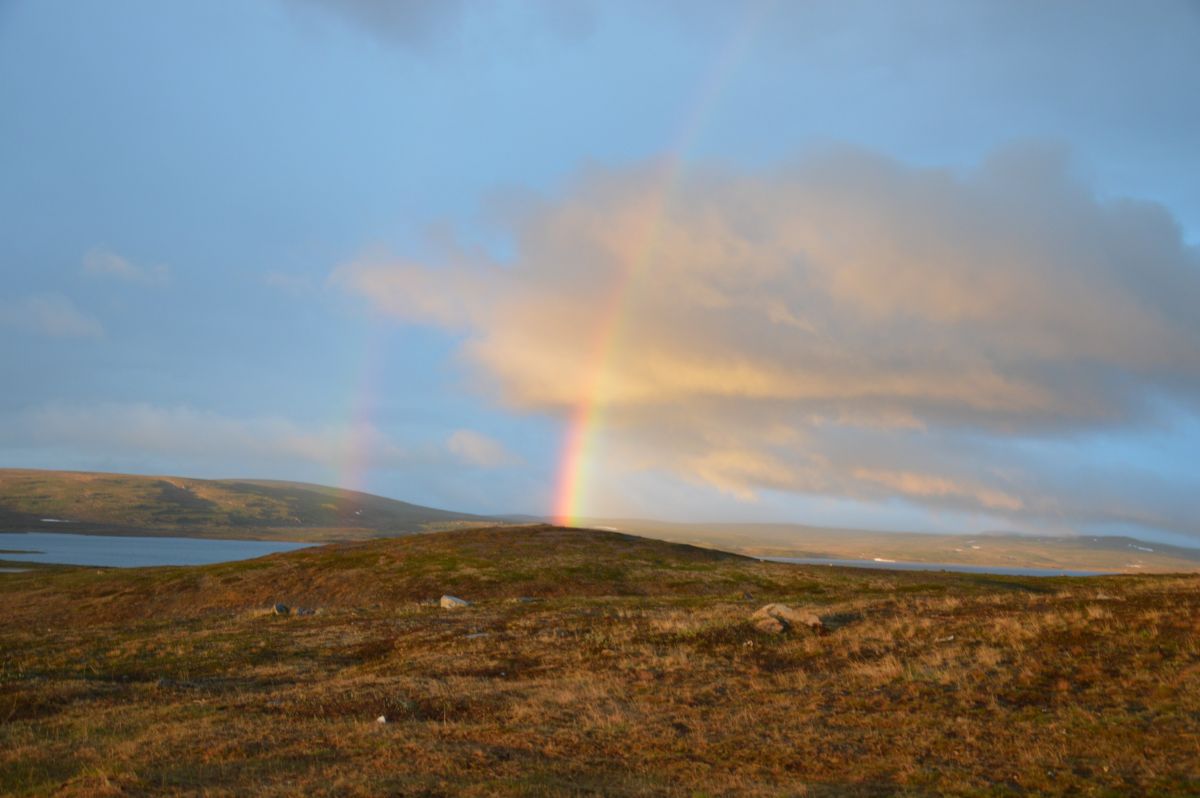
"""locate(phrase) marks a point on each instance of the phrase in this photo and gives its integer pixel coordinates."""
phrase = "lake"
(131, 552)
(119, 551)
(997, 570)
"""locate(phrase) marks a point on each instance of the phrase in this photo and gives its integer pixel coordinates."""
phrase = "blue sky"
(361, 242)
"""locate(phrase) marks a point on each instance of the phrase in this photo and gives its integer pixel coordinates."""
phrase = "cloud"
(477, 449)
(845, 325)
(101, 262)
(192, 435)
(53, 315)
(417, 24)
(412, 23)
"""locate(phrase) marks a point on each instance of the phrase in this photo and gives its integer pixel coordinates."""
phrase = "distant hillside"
(1100, 553)
(68, 501)
(101, 503)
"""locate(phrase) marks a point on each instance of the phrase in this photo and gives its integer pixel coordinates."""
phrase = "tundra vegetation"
(591, 663)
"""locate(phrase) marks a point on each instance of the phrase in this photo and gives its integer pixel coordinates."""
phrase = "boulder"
(453, 602)
(770, 626)
(282, 609)
(767, 618)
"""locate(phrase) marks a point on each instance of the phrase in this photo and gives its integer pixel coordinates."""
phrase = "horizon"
(604, 522)
(929, 269)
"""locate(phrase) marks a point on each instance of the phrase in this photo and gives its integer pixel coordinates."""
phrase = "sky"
(920, 265)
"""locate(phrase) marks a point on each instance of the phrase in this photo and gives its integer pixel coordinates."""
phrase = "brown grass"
(635, 672)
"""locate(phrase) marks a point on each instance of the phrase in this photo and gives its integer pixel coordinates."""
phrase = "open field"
(634, 670)
(129, 504)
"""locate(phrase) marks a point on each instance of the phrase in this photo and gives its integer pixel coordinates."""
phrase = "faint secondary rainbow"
(355, 449)
(586, 422)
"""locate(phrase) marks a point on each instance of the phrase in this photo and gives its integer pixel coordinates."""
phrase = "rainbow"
(355, 455)
(585, 425)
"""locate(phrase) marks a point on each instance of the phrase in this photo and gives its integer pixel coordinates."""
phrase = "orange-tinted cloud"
(798, 328)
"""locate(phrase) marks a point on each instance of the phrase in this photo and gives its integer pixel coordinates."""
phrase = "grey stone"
(282, 609)
(453, 602)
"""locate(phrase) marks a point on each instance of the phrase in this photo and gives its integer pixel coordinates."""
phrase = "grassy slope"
(97, 502)
(635, 673)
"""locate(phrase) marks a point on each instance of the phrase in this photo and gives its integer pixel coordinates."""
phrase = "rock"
(771, 626)
(305, 611)
(381, 719)
(282, 609)
(785, 618)
(453, 602)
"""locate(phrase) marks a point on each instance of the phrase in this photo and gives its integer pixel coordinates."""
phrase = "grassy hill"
(590, 663)
(131, 504)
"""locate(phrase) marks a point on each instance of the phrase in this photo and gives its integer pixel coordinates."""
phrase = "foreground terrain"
(591, 663)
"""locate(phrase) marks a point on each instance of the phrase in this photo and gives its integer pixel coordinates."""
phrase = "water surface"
(997, 570)
(118, 551)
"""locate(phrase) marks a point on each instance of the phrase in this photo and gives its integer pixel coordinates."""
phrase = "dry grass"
(634, 673)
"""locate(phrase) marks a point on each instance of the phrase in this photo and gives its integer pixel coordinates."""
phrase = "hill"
(101, 503)
(590, 663)
(68, 501)
(1115, 554)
